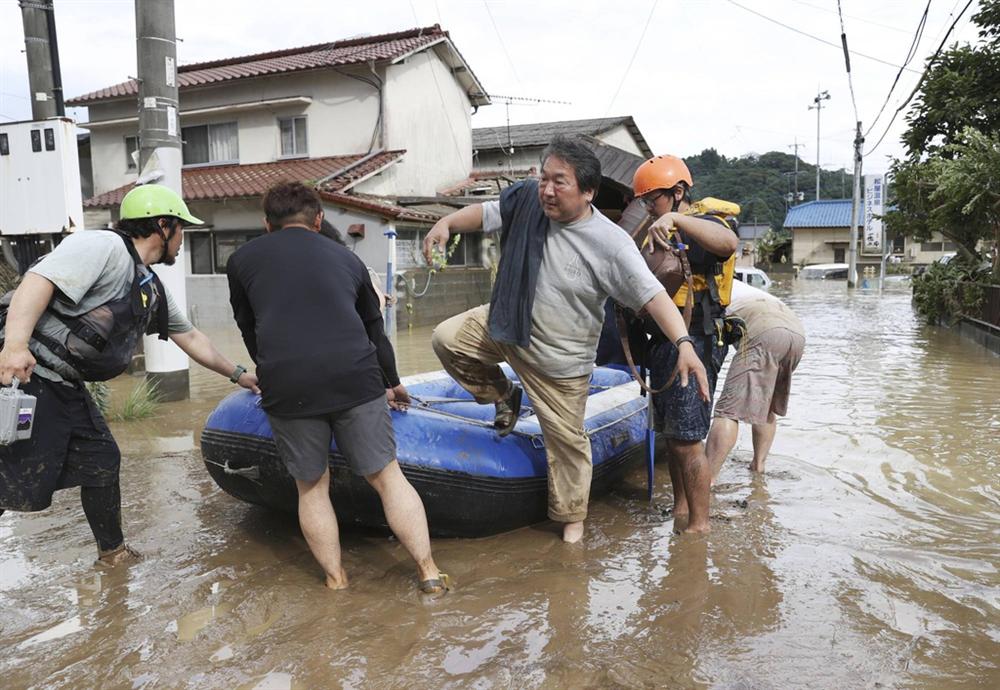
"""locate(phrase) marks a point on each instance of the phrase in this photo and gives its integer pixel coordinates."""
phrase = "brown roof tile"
(241, 181)
(338, 53)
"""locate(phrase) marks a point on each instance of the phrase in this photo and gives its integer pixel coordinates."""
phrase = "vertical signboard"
(874, 202)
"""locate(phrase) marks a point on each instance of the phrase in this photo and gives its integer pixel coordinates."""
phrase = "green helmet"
(154, 200)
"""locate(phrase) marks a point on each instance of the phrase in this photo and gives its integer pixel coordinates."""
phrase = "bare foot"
(118, 555)
(573, 532)
(693, 528)
(337, 582)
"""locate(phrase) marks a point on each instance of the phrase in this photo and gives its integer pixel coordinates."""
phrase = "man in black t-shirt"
(311, 322)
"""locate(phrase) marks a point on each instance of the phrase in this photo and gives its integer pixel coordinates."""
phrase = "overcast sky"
(705, 73)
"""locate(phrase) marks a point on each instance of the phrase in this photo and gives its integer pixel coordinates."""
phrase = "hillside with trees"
(760, 183)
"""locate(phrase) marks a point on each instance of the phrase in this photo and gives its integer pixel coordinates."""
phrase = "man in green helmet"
(78, 315)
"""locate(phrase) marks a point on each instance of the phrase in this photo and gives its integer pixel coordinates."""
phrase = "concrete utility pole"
(820, 97)
(42, 53)
(852, 250)
(160, 162)
(796, 146)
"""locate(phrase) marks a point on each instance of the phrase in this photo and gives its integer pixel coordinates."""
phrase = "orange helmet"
(660, 172)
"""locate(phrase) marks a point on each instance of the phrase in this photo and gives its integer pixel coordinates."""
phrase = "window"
(200, 244)
(211, 250)
(949, 247)
(898, 244)
(50, 139)
(131, 146)
(36, 140)
(409, 249)
(4, 145)
(210, 144)
(930, 246)
(293, 136)
(838, 255)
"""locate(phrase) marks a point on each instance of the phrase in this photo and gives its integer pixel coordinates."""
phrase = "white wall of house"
(340, 119)
(621, 138)
(425, 112)
(428, 114)
(813, 245)
(817, 245)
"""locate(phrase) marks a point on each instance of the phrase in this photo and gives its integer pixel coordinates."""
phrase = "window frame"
(131, 165)
(305, 128)
(208, 133)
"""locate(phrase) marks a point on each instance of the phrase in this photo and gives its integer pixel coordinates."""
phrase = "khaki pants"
(471, 357)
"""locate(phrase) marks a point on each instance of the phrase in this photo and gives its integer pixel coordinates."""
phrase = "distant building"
(821, 234)
(518, 147)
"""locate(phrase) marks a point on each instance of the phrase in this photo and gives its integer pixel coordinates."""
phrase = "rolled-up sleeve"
(491, 217)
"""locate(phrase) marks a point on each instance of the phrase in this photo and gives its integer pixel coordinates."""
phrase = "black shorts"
(680, 413)
(363, 433)
(70, 445)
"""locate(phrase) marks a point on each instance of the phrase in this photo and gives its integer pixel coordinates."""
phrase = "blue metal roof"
(825, 213)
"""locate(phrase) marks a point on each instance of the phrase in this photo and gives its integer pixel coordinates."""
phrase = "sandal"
(118, 555)
(436, 585)
(507, 411)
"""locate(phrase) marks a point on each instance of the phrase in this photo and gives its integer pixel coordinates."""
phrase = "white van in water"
(752, 276)
(824, 272)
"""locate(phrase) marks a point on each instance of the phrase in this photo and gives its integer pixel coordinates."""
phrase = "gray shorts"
(363, 433)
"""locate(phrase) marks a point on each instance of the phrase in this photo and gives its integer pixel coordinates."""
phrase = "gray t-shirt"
(584, 263)
(89, 268)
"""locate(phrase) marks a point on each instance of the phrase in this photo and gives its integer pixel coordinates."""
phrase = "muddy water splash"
(867, 557)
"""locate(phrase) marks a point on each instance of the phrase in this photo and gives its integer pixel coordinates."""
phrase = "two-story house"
(365, 119)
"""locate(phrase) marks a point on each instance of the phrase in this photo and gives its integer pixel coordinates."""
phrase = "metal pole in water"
(390, 284)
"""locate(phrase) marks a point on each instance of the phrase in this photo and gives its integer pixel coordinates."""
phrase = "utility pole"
(796, 146)
(820, 97)
(160, 162)
(42, 53)
(852, 250)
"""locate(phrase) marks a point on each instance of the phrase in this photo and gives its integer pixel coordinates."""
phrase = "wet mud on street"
(866, 558)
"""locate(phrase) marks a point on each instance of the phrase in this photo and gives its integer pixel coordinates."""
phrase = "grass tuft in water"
(140, 403)
(101, 394)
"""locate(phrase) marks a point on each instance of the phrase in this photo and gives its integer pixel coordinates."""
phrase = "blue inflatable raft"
(473, 483)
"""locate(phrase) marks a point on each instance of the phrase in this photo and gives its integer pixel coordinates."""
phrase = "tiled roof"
(617, 167)
(381, 206)
(825, 213)
(493, 180)
(540, 133)
(323, 55)
(241, 181)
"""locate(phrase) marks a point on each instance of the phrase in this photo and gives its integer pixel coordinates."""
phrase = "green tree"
(948, 181)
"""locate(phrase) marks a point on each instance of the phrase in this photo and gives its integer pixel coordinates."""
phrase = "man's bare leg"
(721, 439)
(696, 480)
(677, 484)
(319, 527)
(572, 532)
(405, 513)
(763, 437)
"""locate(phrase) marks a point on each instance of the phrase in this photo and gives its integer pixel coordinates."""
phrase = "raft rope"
(251, 473)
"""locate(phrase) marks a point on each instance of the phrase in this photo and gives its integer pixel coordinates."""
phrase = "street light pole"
(818, 101)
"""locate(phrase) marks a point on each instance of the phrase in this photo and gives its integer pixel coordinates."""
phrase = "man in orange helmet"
(663, 183)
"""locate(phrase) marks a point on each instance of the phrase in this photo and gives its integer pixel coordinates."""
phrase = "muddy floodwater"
(867, 557)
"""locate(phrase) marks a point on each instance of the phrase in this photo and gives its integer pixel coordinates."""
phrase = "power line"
(502, 44)
(632, 59)
(854, 17)
(815, 38)
(923, 76)
(847, 60)
(917, 37)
